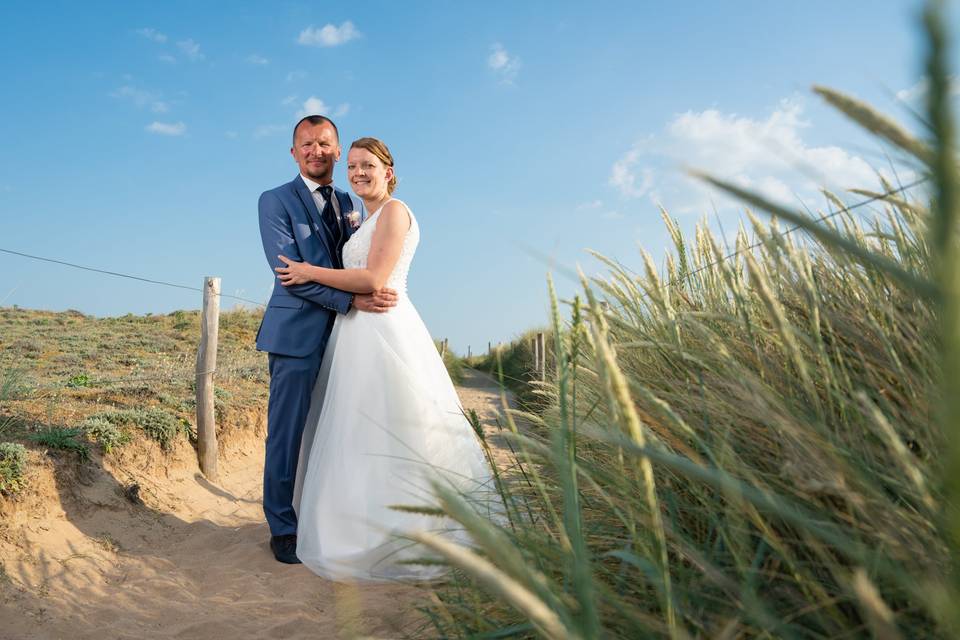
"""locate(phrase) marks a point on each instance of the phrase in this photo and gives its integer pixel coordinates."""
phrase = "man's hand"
(376, 302)
(293, 272)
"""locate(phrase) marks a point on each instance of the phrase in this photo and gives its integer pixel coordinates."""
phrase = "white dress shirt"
(318, 198)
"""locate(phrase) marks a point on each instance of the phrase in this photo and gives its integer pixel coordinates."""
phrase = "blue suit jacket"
(298, 319)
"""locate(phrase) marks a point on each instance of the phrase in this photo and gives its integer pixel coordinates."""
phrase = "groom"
(304, 220)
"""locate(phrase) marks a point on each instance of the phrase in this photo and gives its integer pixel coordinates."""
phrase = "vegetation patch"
(14, 385)
(79, 380)
(13, 461)
(155, 423)
(62, 439)
(454, 367)
(514, 366)
(105, 433)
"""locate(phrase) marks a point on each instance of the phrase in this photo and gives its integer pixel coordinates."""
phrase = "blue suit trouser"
(291, 385)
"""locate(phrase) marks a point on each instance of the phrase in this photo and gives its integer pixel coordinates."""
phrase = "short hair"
(380, 150)
(315, 119)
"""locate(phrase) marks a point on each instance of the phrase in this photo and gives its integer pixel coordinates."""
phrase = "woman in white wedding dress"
(385, 419)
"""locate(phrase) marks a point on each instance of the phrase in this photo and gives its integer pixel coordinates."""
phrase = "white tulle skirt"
(385, 420)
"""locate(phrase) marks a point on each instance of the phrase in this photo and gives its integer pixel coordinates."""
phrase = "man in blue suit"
(303, 220)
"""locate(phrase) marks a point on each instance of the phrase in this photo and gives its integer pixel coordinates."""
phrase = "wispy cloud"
(766, 154)
(504, 65)
(316, 106)
(288, 100)
(166, 57)
(190, 49)
(141, 98)
(328, 35)
(296, 76)
(596, 209)
(233, 135)
(167, 128)
(151, 34)
(253, 58)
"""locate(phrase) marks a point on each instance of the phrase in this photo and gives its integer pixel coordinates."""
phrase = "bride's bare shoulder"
(396, 212)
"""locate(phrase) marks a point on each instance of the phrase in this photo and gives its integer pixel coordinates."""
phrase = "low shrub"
(13, 461)
(79, 380)
(62, 439)
(106, 434)
(155, 423)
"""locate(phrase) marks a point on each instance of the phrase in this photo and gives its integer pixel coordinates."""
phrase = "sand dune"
(83, 561)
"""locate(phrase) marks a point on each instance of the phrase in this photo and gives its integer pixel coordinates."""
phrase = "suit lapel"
(313, 215)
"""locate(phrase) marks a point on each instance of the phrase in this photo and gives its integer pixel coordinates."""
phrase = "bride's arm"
(385, 248)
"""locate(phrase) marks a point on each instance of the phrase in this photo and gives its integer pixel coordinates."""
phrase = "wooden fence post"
(443, 348)
(206, 365)
(536, 354)
(469, 353)
(542, 353)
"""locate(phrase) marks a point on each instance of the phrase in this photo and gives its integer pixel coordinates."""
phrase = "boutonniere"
(353, 219)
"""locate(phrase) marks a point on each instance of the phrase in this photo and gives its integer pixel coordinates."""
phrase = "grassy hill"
(73, 386)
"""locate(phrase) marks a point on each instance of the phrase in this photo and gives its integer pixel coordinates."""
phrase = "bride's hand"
(293, 273)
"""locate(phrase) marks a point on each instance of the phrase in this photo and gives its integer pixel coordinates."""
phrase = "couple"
(362, 414)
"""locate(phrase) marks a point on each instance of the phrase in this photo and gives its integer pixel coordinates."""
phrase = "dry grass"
(71, 379)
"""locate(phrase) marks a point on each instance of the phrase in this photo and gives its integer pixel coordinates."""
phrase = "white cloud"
(190, 49)
(328, 35)
(166, 57)
(766, 154)
(151, 34)
(505, 66)
(624, 175)
(141, 98)
(312, 106)
(233, 135)
(288, 100)
(167, 128)
(316, 106)
(295, 76)
(914, 95)
(253, 58)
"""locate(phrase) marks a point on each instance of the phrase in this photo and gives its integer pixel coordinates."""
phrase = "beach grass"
(763, 446)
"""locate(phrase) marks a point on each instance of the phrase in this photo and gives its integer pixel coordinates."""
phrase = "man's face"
(316, 149)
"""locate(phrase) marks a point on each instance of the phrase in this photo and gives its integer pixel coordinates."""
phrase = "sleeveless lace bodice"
(357, 248)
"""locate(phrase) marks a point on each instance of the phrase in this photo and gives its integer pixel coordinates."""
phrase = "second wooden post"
(206, 366)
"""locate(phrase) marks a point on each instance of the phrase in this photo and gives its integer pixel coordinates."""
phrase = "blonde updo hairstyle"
(377, 148)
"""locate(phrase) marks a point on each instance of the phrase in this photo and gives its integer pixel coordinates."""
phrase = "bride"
(385, 419)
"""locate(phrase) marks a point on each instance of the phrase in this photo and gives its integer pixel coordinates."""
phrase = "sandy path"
(191, 562)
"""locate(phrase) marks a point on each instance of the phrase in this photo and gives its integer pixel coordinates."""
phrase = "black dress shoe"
(285, 548)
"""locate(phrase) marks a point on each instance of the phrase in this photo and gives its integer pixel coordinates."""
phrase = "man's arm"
(385, 250)
(277, 237)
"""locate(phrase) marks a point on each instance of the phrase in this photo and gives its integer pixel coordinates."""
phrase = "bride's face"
(367, 174)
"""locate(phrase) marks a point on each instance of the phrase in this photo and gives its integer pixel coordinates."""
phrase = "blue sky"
(138, 136)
